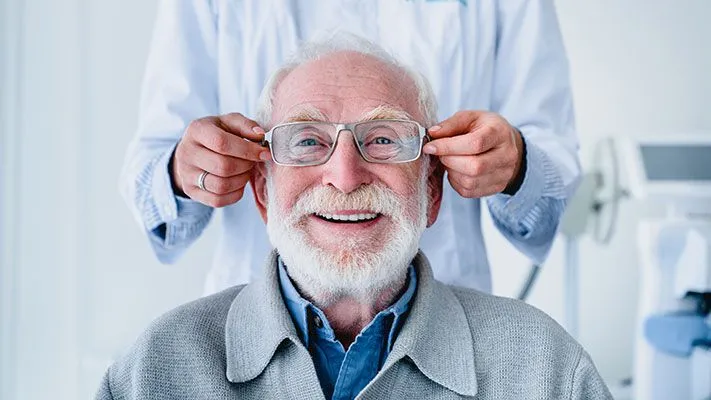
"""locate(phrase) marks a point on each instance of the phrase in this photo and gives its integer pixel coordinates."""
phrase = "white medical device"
(672, 357)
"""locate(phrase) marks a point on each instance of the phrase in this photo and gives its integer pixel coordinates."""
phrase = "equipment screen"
(677, 163)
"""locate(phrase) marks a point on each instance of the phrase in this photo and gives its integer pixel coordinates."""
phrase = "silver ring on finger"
(201, 180)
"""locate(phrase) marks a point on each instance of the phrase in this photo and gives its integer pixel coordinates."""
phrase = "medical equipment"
(598, 196)
(672, 357)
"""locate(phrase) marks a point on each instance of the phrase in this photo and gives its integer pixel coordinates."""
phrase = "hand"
(481, 152)
(224, 147)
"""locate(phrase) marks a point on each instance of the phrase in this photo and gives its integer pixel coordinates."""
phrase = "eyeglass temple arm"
(427, 137)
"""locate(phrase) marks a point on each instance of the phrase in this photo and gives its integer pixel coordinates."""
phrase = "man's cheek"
(288, 195)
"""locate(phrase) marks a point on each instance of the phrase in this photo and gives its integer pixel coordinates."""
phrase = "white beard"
(358, 269)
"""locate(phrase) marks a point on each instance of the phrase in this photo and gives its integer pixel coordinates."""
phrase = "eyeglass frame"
(340, 127)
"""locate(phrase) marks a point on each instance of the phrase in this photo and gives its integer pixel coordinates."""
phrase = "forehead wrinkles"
(347, 84)
(380, 82)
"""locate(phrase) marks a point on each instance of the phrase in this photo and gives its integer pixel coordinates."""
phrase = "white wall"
(45, 123)
(9, 48)
(84, 280)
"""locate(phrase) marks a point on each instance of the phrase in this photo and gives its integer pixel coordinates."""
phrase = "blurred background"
(78, 281)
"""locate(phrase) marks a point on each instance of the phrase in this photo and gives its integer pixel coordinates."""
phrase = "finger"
(214, 200)
(482, 186)
(219, 185)
(228, 144)
(493, 160)
(472, 143)
(218, 164)
(477, 183)
(458, 124)
(242, 126)
(466, 187)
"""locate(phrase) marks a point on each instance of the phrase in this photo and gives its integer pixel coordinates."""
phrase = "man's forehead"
(343, 88)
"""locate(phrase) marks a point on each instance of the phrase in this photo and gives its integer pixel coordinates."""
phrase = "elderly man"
(347, 307)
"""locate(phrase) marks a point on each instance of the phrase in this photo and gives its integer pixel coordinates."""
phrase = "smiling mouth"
(347, 219)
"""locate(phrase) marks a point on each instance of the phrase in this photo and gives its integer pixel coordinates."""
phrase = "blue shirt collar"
(299, 308)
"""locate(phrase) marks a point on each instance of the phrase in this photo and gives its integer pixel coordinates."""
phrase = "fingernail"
(258, 130)
(434, 128)
(265, 156)
(429, 148)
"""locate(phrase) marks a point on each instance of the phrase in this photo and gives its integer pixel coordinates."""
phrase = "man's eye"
(382, 140)
(307, 142)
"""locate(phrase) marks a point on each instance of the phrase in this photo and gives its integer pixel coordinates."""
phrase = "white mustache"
(374, 198)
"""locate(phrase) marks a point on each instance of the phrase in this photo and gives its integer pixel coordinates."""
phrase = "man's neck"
(348, 316)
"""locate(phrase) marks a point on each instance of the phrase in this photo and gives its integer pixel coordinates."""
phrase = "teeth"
(352, 217)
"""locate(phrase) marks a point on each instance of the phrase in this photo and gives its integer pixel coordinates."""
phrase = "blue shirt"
(343, 374)
(213, 57)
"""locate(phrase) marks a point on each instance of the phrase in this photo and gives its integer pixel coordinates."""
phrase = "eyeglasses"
(385, 141)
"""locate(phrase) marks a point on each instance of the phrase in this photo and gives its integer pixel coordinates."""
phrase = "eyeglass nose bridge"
(340, 128)
(343, 127)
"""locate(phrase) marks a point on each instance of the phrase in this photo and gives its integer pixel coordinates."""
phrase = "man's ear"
(258, 182)
(435, 186)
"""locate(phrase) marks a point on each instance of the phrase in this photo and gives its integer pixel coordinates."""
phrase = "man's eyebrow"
(308, 114)
(385, 112)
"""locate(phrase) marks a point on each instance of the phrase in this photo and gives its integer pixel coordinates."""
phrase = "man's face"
(347, 227)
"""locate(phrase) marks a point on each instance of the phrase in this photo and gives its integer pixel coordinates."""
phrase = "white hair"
(328, 43)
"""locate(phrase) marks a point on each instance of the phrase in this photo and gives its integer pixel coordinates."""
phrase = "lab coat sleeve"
(180, 85)
(531, 89)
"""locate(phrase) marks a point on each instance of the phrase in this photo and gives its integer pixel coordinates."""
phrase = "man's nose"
(346, 169)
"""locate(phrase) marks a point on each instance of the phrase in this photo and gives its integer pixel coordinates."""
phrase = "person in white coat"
(506, 132)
